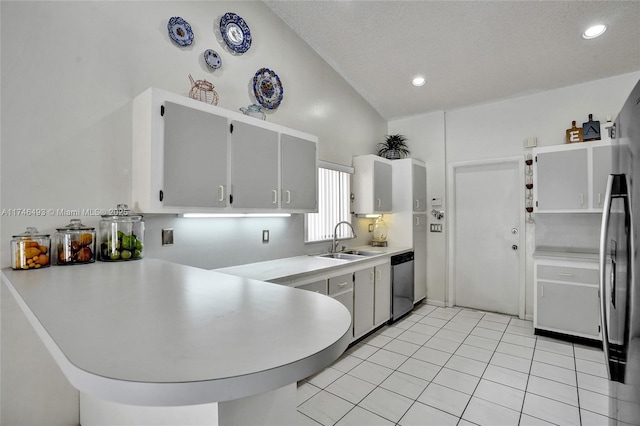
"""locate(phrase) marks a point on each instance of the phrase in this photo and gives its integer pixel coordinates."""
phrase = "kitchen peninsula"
(150, 333)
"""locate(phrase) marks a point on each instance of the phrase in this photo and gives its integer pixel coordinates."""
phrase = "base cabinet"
(567, 297)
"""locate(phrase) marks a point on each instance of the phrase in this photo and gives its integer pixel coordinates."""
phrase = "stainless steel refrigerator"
(620, 267)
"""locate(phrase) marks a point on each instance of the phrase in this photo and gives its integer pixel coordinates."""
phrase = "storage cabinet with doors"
(372, 184)
(371, 298)
(566, 298)
(341, 289)
(189, 156)
(408, 223)
(571, 178)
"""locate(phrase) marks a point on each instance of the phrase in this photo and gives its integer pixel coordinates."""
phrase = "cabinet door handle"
(417, 204)
(288, 196)
(343, 284)
(417, 220)
(565, 274)
(379, 272)
(379, 202)
(581, 199)
(221, 193)
(275, 196)
(373, 277)
(542, 291)
(599, 199)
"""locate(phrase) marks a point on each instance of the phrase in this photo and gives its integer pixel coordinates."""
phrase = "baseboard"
(528, 317)
(438, 303)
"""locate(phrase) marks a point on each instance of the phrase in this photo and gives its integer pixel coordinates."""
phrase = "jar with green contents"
(121, 236)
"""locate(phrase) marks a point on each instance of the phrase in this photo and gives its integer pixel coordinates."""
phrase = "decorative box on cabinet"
(571, 178)
(408, 223)
(189, 156)
(566, 298)
(372, 184)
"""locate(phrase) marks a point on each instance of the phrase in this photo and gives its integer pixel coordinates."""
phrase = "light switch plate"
(167, 236)
(436, 201)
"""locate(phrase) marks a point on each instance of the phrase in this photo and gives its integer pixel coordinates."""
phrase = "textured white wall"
(69, 72)
(71, 69)
(497, 130)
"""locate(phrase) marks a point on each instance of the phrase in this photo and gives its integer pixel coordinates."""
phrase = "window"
(334, 203)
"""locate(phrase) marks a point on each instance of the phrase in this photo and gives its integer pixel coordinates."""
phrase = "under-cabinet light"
(215, 215)
(419, 81)
(369, 216)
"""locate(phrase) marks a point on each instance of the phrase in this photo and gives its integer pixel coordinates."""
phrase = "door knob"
(514, 247)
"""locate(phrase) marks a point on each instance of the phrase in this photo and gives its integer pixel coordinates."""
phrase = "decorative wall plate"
(212, 59)
(235, 32)
(180, 31)
(267, 88)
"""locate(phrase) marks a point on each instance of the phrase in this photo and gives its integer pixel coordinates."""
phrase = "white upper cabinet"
(571, 178)
(192, 157)
(372, 184)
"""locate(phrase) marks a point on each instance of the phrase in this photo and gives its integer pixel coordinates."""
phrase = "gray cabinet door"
(299, 174)
(254, 167)
(568, 307)
(363, 291)
(420, 256)
(382, 296)
(382, 187)
(419, 188)
(602, 167)
(562, 180)
(195, 158)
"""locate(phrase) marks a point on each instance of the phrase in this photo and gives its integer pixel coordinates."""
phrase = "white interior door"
(488, 236)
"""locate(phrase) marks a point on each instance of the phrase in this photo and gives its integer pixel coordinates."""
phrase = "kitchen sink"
(343, 256)
(362, 252)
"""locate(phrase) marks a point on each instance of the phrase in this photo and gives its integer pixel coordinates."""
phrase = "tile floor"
(450, 366)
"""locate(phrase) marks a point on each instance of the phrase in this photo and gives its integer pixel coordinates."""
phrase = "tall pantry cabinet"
(408, 223)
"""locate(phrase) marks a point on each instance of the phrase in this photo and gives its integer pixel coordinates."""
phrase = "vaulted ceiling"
(470, 52)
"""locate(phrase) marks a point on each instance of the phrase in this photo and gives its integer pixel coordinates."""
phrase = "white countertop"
(293, 267)
(151, 332)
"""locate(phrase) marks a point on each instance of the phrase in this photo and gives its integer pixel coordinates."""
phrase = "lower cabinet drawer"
(573, 309)
(316, 286)
(568, 274)
(340, 283)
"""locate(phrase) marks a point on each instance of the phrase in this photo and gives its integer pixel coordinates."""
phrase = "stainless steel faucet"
(334, 246)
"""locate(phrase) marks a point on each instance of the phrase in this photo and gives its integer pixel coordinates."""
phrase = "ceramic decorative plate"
(212, 59)
(235, 32)
(180, 31)
(267, 88)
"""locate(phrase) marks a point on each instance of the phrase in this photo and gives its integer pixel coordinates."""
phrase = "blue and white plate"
(235, 32)
(180, 31)
(267, 88)
(212, 59)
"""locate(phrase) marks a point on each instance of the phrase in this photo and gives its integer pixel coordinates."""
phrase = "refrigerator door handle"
(602, 259)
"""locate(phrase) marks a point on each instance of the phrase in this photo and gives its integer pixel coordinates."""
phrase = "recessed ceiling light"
(594, 31)
(418, 81)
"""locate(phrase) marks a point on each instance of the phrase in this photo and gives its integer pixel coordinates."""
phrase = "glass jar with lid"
(30, 250)
(75, 244)
(121, 236)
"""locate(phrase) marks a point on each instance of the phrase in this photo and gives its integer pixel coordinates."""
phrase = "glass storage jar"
(75, 244)
(121, 236)
(30, 250)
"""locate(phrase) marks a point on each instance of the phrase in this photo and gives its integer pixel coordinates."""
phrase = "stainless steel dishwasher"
(402, 290)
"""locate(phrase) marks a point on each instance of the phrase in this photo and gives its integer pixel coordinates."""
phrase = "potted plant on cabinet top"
(393, 147)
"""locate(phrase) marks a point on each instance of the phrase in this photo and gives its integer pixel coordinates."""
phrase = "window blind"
(334, 205)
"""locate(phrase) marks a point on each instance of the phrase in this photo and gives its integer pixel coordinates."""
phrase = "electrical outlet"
(436, 227)
(167, 236)
(265, 236)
